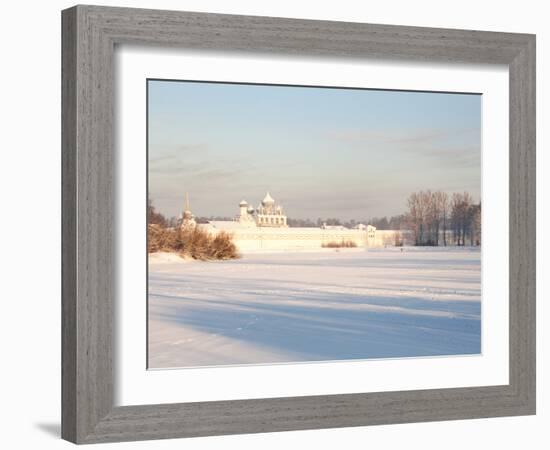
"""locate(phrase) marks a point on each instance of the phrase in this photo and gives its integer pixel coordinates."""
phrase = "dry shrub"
(193, 242)
(196, 243)
(341, 244)
(156, 238)
(222, 247)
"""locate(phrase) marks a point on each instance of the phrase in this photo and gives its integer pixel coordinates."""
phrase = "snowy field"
(314, 306)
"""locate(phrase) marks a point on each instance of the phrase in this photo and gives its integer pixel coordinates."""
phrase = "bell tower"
(188, 217)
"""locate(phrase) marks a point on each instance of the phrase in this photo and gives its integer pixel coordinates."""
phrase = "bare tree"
(426, 210)
(433, 217)
(440, 201)
(415, 217)
(462, 217)
(475, 224)
(456, 217)
(432, 214)
(154, 217)
(443, 199)
(423, 217)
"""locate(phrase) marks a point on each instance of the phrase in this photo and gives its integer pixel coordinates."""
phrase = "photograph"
(293, 224)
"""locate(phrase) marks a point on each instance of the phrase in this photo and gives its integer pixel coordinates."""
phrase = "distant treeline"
(203, 219)
(331, 221)
(398, 222)
(381, 223)
(300, 223)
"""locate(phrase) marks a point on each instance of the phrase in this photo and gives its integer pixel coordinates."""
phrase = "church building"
(267, 214)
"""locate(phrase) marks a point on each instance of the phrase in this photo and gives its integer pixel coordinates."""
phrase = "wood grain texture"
(89, 36)
(68, 226)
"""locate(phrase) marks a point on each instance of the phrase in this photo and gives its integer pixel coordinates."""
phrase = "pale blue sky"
(321, 152)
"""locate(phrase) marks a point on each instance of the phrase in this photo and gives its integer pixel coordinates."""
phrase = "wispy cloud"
(399, 136)
(462, 157)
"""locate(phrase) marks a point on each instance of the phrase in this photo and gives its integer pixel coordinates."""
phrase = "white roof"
(243, 203)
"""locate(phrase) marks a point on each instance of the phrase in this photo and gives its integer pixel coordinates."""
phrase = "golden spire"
(187, 202)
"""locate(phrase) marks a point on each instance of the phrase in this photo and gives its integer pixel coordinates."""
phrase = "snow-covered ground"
(314, 306)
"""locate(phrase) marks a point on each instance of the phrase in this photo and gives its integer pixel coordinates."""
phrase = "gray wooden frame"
(89, 36)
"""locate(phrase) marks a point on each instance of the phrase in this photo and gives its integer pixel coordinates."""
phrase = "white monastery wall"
(265, 228)
(247, 239)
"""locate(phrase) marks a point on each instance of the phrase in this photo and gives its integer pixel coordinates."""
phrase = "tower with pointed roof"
(188, 217)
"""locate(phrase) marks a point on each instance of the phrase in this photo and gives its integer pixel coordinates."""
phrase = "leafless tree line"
(437, 218)
(398, 222)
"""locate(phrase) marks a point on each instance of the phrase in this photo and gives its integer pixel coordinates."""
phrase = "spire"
(188, 220)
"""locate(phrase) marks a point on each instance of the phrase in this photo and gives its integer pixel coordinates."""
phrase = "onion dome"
(268, 200)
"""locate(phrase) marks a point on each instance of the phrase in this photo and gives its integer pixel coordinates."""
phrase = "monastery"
(265, 228)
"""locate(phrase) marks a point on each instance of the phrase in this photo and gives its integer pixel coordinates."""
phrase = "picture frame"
(89, 37)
